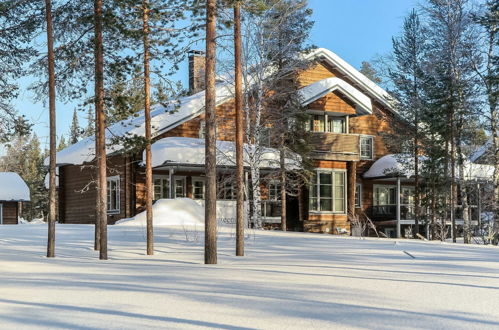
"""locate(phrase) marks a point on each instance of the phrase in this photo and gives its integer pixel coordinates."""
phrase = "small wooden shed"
(13, 192)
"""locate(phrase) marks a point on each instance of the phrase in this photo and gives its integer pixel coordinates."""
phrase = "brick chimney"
(196, 71)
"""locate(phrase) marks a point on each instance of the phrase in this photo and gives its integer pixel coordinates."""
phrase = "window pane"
(325, 178)
(313, 190)
(326, 191)
(313, 204)
(318, 123)
(326, 204)
(339, 205)
(339, 179)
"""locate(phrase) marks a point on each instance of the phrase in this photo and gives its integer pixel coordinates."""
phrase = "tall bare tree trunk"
(97, 197)
(239, 131)
(147, 115)
(101, 123)
(52, 165)
(282, 156)
(453, 177)
(210, 241)
(416, 178)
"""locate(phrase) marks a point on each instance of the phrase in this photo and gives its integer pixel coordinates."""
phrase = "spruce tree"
(75, 130)
(410, 51)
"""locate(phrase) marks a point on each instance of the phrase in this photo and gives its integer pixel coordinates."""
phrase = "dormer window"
(327, 123)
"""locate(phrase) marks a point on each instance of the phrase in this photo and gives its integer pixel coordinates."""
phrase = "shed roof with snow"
(402, 165)
(191, 151)
(13, 188)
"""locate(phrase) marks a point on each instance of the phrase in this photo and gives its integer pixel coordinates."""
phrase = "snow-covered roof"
(13, 188)
(323, 87)
(182, 150)
(162, 119)
(482, 150)
(403, 165)
(165, 118)
(356, 76)
(390, 165)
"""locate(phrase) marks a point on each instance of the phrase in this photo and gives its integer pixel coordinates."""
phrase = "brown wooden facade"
(332, 151)
(9, 212)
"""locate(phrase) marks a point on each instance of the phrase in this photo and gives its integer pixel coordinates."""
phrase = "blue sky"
(357, 30)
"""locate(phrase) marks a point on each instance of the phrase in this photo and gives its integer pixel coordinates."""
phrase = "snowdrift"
(170, 212)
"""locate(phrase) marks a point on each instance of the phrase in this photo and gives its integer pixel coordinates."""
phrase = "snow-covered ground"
(287, 280)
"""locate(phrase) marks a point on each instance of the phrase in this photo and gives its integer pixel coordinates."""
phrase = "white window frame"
(161, 177)
(198, 179)
(233, 191)
(358, 190)
(184, 186)
(202, 129)
(333, 197)
(115, 179)
(277, 189)
(372, 147)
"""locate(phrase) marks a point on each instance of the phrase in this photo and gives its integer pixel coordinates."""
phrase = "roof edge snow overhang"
(357, 77)
(323, 87)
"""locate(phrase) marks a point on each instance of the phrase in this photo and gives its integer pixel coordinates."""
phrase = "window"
(113, 194)
(274, 191)
(265, 136)
(198, 189)
(336, 124)
(358, 195)
(366, 147)
(179, 187)
(161, 187)
(228, 192)
(327, 123)
(202, 129)
(327, 192)
(385, 195)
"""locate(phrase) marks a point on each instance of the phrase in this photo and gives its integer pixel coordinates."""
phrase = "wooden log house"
(348, 116)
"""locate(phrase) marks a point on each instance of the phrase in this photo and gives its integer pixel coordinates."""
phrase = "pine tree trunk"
(210, 244)
(101, 122)
(97, 197)
(453, 178)
(416, 179)
(495, 144)
(239, 131)
(283, 188)
(463, 193)
(147, 115)
(53, 160)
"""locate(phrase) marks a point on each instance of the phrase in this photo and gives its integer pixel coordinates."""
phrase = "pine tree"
(367, 70)
(90, 117)
(62, 143)
(75, 130)
(18, 22)
(410, 51)
(488, 20)
(453, 89)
